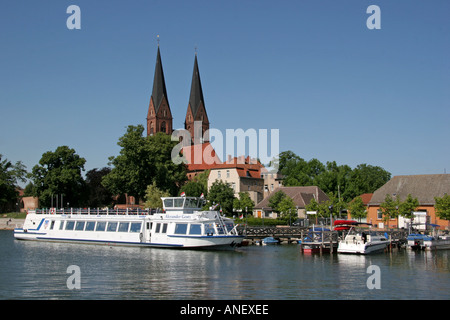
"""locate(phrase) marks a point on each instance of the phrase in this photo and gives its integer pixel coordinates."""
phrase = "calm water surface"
(38, 270)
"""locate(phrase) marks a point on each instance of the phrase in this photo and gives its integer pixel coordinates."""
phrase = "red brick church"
(159, 119)
(199, 153)
(159, 116)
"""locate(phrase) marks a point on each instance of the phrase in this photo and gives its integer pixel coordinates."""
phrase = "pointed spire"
(196, 90)
(159, 84)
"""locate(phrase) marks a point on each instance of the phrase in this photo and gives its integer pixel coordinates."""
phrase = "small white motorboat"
(362, 242)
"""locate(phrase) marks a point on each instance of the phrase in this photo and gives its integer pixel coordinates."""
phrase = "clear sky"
(310, 68)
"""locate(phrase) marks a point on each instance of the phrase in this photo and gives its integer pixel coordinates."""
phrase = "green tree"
(153, 196)
(275, 200)
(244, 202)
(193, 189)
(357, 208)
(10, 175)
(334, 180)
(389, 208)
(341, 181)
(287, 210)
(365, 179)
(407, 207)
(222, 194)
(59, 173)
(98, 195)
(443, 207)
(312, 206)
(142, 161)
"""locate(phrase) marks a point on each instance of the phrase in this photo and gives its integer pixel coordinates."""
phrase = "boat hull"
(429, 245)
(361, 248)
(209, 242)
(315, 248)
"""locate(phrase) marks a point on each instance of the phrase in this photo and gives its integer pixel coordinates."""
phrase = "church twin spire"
(159, 116)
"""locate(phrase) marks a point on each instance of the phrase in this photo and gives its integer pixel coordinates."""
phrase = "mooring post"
(331, 241)
(301, 241)
(321, 244)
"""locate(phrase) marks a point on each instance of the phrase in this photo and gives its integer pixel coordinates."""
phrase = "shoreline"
(10, 223)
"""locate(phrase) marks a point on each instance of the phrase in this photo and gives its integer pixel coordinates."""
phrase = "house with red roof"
(242, 175)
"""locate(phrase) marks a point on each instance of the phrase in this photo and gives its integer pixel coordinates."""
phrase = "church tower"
(159, 116)
(196, 111)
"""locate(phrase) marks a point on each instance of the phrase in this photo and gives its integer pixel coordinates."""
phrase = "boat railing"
(94, 211)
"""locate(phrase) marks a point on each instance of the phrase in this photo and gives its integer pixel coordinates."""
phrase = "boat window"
(229, 226)
(164, 228)
(195, 229)
(209, 229)
(191, 203)
(135, 227)
(80, 225)
(123, 226)
(70, 225)
(180, 228)
(168, 203)
(112, 226)
(101, 226)
(158, 226)
(178, 202)
(61, 225)
(90, 225)
(219, 228)
(52, 224)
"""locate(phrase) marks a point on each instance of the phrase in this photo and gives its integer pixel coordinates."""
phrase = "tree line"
(144, 169)
(341, 181)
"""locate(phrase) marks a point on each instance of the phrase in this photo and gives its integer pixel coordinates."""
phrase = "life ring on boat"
(52, 210)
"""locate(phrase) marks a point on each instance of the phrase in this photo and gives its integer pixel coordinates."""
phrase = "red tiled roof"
(202, 157)
(366, 197)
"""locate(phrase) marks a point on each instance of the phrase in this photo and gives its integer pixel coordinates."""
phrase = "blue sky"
(312, 69)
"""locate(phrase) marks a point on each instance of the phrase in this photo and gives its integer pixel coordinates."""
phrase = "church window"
(163, 127)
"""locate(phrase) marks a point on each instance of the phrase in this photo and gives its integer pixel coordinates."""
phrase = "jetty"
(313, 241)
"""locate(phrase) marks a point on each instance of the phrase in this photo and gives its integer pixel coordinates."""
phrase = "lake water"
(38, 270)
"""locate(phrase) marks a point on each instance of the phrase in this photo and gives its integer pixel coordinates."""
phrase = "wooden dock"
(313, 241)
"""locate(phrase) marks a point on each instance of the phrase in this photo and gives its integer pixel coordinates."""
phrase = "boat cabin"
(185, 204)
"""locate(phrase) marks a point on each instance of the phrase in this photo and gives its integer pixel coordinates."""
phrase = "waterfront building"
(366, 197)
(272, 180)
(242, 175)
(423, 187)
(301, 196)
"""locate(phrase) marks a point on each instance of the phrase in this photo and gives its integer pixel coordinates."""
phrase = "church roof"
(196, 95)
(159, 84)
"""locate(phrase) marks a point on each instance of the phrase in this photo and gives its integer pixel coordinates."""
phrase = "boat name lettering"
(178, 216)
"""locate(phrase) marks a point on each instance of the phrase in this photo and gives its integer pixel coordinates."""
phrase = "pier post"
(321, 245)
(331, 241)
(301, 241)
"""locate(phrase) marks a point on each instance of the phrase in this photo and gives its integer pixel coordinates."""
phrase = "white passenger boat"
(181, 225)
(362, 242)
